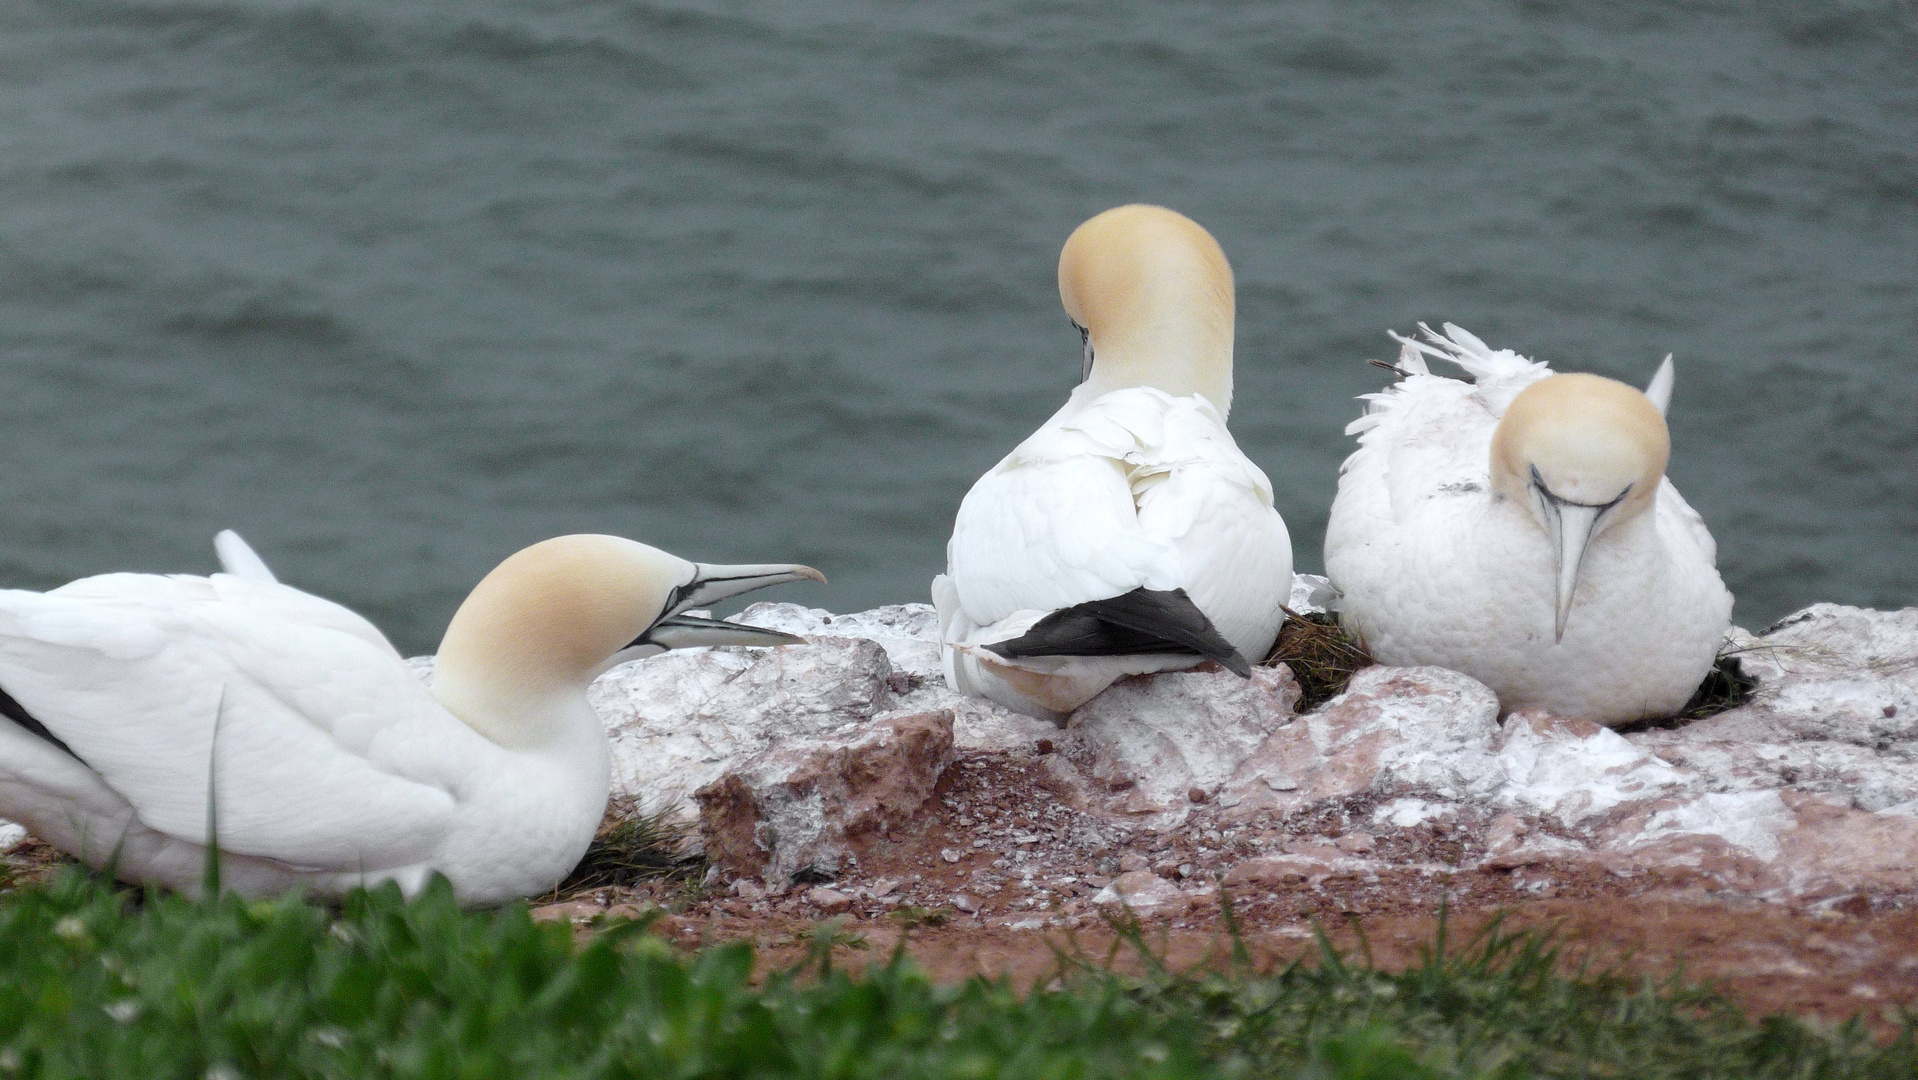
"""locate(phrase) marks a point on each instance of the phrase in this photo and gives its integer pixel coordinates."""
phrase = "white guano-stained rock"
(1574, 769)
(909, 633)
(1394, 730)
(1156, 740)
(1836, 712)
(1313, 594)
(680, 720)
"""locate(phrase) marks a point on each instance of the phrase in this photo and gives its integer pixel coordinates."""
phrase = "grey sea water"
(395, 287)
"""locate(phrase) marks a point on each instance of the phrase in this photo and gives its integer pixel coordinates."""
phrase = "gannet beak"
(712, 583)
(673, 630)
(1571, 525)
(687, 631)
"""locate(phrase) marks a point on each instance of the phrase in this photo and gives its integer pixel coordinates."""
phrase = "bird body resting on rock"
(143, 712)
(1129, 534)
(1520, 529)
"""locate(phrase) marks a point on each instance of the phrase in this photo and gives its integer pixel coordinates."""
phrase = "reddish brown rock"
(792, 807)
(1836, 849)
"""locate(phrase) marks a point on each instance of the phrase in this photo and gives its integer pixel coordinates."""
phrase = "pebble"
(830, 901)
(567, 910)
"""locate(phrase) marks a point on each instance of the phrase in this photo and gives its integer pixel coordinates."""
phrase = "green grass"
(99, 981)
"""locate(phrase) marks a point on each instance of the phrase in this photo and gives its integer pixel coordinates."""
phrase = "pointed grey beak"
(673, 630)
(712, 583)
(687, 631)
(1571, 525)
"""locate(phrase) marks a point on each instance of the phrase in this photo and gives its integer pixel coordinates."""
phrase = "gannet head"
(1583, 454)
(553, 616)
(1151, 293)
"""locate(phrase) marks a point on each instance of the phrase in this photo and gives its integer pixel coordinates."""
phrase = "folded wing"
(319, 748)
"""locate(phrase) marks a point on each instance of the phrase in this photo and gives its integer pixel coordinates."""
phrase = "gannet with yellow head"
(147, 715)
(1128, 535)
(1520, 529)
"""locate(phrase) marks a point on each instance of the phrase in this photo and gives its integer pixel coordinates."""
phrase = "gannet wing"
(1128, 525)
(321, 750)
(1660, 388)
(245, 572)
(1085, 509)
(238, 558)
(1041, 532)
(1676, 519)
(1427, 437)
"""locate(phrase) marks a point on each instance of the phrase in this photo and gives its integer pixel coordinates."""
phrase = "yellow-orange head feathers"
(1153, 292)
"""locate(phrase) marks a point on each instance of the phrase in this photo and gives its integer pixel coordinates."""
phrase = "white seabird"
(1128, 534)
(143, 712)
(1520, 529)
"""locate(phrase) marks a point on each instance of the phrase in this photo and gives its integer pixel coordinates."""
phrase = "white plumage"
(1134, 485)
(1445, 556)
(138, 701)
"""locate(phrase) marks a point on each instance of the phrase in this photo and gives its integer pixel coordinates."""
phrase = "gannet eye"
(1548, 496)
(1085, 341)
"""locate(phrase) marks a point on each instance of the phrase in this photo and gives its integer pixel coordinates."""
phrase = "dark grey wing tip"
(1141, 621)
(17, 713)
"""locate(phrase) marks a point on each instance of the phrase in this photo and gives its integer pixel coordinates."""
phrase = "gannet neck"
(1583, 455)
(1153, 292)
(532, 634)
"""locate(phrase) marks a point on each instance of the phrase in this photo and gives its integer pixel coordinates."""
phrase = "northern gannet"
(1128, 534)
(133, 703)
(1520, 529)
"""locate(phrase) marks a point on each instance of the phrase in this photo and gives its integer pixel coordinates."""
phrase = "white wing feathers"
(324, 740)
(1678, 520)
(1067, 516)
(1482, 362)
(238, 558)
(1660, 388)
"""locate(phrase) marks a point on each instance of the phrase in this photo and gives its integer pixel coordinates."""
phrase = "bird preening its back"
(142, 711)
(1129, 534)
(1519, 528)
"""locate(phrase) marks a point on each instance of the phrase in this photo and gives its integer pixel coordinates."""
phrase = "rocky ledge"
(797, 763)
(842, 775)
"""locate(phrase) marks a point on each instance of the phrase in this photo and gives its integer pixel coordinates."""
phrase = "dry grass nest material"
(634, 846)
(1321, 654)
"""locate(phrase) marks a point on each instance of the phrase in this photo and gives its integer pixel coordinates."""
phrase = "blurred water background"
(397, 286)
